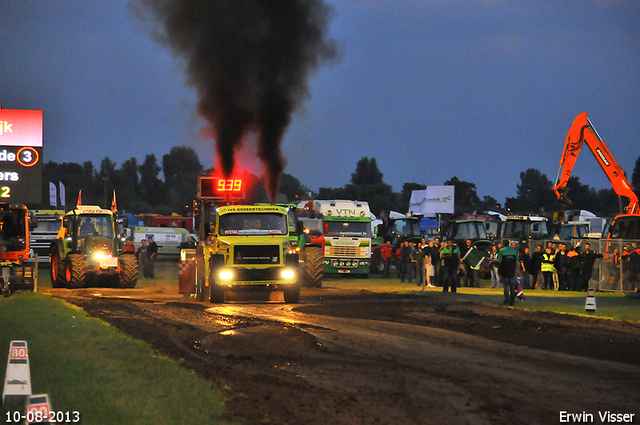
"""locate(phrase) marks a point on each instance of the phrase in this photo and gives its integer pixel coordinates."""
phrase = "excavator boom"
(582, 131)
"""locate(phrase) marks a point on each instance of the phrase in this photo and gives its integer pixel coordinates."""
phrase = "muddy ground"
(341, 357)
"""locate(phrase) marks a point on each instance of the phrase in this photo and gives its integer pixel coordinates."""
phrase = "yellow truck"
(251, 250)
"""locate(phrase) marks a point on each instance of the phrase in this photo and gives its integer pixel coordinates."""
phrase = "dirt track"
(363, 358)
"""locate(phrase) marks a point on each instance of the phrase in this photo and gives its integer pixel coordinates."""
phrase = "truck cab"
(252, 251)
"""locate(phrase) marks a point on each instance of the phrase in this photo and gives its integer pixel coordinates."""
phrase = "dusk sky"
(432, 89)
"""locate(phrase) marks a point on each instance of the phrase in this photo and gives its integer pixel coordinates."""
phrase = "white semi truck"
(347, 236)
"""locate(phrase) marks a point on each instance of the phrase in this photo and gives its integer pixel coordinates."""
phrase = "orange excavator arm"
(582, 131)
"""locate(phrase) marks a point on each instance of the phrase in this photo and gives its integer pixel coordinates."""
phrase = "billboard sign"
(434, 200)
(20, 156)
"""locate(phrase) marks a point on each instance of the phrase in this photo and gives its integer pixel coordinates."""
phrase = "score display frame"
(220, 188)
(21, 143)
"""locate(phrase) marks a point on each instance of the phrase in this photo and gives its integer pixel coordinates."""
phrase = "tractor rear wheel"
(75, 271)
(314, 267)
(57, 270)
(128, 277)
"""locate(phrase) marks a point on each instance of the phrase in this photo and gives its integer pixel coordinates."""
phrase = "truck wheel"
(377, 263)
(128, 277)
(314, 267)
(57, 270)
(75, 271)
(217, 294)
(292, 294)
(200, 282)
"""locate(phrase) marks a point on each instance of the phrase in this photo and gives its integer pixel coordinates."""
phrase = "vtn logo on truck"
(601, 155)
(341, 211)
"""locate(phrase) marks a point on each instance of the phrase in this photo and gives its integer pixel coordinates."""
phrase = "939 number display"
(220, 188)
(229, 185)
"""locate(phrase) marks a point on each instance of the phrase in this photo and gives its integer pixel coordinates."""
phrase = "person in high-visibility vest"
(547, 268)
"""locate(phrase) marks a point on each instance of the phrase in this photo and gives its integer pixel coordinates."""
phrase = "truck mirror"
(307, 239)
(299, 228)
(33, 222)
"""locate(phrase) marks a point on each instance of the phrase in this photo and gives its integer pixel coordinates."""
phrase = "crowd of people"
(559, 266)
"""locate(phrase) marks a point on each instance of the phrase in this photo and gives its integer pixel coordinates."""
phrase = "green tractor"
(87, 247)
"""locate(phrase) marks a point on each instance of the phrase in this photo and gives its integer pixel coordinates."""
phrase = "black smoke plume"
(249, 61)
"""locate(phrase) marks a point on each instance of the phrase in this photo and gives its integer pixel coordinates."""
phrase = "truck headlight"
(288, 274)
(225, 275)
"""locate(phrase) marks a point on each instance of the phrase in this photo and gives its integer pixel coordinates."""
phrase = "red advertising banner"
(20, 128)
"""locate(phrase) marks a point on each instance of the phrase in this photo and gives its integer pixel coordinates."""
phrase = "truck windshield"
(96, 225)
(625, 228)
(47, 225)
(347, 228)
(573, 231)
(313, 225)
(525, 229)
(407, 228)
(13, 231)
(468, 230)
(253, 224)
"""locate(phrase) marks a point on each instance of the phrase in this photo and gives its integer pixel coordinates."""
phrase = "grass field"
(87, 366)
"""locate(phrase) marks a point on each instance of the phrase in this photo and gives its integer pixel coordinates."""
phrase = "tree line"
(141, 188)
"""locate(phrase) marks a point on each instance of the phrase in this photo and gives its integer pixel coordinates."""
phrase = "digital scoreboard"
(20, 156)
(219, 188)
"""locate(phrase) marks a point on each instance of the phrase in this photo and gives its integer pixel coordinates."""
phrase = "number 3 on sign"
(5, 192)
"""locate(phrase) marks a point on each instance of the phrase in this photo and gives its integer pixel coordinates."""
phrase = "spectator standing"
(405, 259)
(428, 265)
(587, 260)
(561, 264)
(536, 264)
(141, 255)
(573, 267)
(189, 244)
(548, 260)
(493, 267)
(386, 253)
(508, 269)
(152, 254)
(128, 246)
(472, 275)
(527, 266)
(435, 259)
(399, 260)
(417, 259)
(449, 263)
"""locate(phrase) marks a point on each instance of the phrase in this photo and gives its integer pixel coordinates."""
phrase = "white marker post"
(590, 303)
(38, 408)
(17, 382)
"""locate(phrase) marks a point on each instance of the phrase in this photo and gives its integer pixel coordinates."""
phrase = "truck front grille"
(346, 251)
(256, 254)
